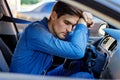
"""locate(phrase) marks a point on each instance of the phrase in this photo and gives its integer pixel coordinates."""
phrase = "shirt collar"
(44, 21)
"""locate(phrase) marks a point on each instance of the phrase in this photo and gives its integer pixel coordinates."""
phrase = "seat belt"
(11, 19)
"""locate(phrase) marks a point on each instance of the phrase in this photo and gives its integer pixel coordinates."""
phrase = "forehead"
(71, 18)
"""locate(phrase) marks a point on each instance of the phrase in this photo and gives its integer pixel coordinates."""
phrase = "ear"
(53, 15)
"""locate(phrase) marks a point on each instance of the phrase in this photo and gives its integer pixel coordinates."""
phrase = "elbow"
(80, 54)
(79, 51)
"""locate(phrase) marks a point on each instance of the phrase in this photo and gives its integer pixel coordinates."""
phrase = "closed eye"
(67, 22)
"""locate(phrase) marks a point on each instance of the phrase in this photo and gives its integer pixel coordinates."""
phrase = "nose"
(69, 28)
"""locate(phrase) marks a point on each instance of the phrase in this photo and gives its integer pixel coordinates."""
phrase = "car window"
(113, 4)
(46, 7)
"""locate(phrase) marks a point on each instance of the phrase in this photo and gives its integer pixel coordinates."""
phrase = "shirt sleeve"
(40, 39)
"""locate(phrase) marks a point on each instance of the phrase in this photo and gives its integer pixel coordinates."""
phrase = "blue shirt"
(37, 46)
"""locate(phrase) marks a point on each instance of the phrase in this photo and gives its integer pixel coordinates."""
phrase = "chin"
(62, 38)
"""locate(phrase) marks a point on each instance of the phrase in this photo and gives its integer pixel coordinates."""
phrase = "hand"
(82, 21)
(88, 19)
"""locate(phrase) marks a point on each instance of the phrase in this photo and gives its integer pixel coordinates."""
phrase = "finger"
(88, 17)
(85, 16)
(91, 25)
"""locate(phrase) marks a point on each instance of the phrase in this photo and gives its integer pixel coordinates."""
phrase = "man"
(55, 36)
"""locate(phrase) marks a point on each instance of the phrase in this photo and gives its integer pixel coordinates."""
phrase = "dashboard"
(108, 45)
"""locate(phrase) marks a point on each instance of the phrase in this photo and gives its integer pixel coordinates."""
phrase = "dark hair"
(62, 8)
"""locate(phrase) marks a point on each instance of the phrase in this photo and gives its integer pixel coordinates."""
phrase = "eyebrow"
(70, 22)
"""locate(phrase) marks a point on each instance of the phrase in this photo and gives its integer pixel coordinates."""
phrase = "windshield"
(113, 4)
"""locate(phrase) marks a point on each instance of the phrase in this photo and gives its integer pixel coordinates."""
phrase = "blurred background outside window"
(33, 10)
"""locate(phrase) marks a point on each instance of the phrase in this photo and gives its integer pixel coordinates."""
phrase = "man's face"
(63, 25)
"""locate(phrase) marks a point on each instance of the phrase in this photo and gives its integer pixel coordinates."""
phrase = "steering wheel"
(88, 60)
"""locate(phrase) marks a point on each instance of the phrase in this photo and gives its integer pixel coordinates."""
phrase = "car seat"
(5, 56)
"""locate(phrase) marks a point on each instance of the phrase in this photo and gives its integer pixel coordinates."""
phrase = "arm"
(42, 40)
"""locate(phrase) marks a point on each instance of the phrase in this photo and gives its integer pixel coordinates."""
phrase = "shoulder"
(37, 29)
(37, 25)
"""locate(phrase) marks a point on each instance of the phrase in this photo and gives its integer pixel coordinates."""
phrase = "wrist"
(82, 21)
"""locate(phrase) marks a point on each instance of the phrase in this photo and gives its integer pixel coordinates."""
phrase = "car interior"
(8, 37)
(104, 47)
(5, 56)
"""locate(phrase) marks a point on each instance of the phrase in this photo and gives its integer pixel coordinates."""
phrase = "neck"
(50, 27)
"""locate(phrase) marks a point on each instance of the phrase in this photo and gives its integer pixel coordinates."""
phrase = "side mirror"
(97, 29)
(102, 26)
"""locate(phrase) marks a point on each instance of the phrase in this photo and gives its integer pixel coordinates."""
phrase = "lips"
(65, 34)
